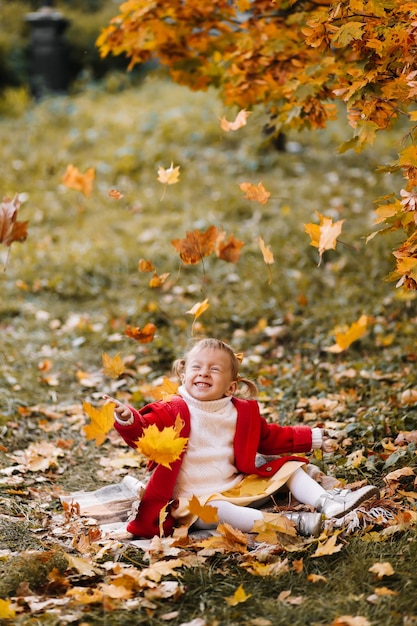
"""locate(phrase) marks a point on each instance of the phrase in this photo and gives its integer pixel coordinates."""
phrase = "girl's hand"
(121, 411)
(331, 440)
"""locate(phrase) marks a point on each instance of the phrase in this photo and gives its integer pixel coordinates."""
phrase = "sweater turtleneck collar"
(209, 406)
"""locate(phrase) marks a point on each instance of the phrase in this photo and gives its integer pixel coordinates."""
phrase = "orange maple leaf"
(328, 547)
(239, 121)
(258, 193)
(324, 235)
(142, 335)
(73, 179)
(206, 512)
(115, 194)
(230, 249)
(145, 266)
(238, 597)
(164, 391)
(345, 338)
(113, 367)
(162, 446)
(196, 245)
(102, 421)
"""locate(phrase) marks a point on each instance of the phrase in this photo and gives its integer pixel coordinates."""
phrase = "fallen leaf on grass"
(238, 597)
(206, 512)
(328, 547)
(285, 596)
(102, 421)
(162, 446)
(382, 569)
(350, 620)
(316, 578)
(6, 610)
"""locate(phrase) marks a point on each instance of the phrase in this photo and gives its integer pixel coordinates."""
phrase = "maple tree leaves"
(295, 59)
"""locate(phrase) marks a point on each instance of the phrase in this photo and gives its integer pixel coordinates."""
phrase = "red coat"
(253, 434)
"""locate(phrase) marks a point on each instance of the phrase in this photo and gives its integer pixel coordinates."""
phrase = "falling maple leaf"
(324, 235)
(257, 193)
(230, 249)
(113, 367)
(142, 335)
(267, 255)
(164, 391)
(196, 245)
(238, 597)
(115, 194)
(170, 175)
(102, 421)
(157, 281)
(73, 179)
(145, 266)
(206, 512)
(10, 229)
(162, 446)
(345, 338)
(199, 308)
(240, 120)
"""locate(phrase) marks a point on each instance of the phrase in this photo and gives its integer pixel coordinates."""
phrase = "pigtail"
(251, 390)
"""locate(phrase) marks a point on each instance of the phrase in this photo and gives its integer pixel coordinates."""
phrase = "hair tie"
(239, 356)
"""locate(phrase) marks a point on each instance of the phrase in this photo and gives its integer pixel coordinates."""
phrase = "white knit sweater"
(208, 464)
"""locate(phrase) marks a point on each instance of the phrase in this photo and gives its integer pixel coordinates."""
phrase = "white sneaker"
(338, 502)
(307, 524)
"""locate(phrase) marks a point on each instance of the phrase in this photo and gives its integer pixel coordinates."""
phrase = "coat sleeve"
(153, 413)
(276, 439)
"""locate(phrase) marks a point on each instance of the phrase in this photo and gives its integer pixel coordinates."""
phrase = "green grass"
(70, 289)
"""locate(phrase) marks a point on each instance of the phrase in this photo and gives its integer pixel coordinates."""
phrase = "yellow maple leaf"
(145, 266)
(239, 121)
(345, 338)
(206, 512)
(324, 235)
(74, 179)
(102, 421)
(238, 597)
(165, 390)
(328, 547)
(170, 175)
(158, 280)
(113, 367)
(199, 308)
(162, 446)
(6, 610)
(257, 193)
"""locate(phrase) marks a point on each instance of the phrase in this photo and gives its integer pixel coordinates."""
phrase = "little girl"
(220, 465)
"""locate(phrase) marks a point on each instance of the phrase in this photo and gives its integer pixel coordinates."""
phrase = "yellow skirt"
(252, 489)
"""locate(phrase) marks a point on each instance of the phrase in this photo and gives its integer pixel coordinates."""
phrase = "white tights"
(304, 489)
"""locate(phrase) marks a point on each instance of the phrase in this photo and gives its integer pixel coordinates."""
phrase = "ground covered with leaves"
(70, 291)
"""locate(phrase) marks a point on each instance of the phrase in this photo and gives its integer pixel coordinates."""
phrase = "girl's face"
(208, 374)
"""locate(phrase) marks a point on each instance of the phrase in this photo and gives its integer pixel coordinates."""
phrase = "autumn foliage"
(301, 60)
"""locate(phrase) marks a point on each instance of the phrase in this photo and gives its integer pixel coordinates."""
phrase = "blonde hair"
(178, 367)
